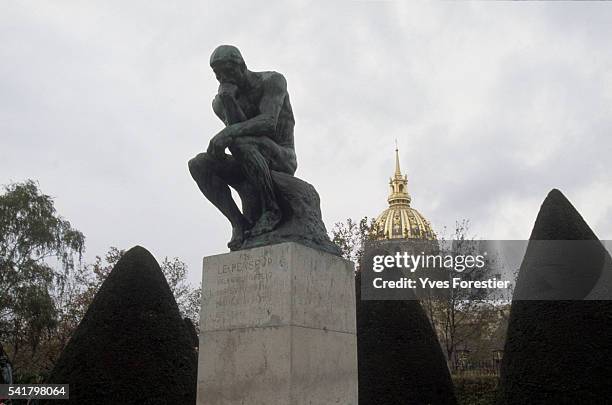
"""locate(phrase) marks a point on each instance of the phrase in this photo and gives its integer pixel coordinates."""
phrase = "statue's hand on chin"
(227, 89)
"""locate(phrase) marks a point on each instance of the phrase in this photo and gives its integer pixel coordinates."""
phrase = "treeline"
(46, 288)
(470, 331)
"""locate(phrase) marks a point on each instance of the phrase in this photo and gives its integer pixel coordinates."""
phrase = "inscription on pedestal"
(244, 292)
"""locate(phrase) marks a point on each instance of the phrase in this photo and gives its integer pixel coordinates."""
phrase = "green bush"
(476, 390)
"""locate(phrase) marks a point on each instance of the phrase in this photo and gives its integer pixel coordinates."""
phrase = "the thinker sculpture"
(277, 207)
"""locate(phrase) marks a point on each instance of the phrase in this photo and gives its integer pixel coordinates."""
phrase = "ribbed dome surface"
(403, 222)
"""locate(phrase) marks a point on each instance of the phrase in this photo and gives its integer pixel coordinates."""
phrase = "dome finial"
(397, 165)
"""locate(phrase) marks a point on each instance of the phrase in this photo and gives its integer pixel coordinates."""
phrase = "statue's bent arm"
(217, 107)
(264, 124)
(228, 110)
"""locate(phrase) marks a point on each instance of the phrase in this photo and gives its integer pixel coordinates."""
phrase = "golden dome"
(400, 221)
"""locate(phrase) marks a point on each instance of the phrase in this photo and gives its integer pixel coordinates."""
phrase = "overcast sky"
(492, 104)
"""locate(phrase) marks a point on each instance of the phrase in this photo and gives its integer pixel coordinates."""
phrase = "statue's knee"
(198, 163)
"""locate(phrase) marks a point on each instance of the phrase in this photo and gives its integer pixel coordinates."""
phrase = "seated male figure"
(258, 132)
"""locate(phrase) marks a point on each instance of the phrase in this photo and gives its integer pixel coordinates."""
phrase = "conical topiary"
(399, 358)
(132, 346)
(558, 345)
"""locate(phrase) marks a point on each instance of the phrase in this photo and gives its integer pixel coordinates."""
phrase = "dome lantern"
(398, 194)
(400, 221)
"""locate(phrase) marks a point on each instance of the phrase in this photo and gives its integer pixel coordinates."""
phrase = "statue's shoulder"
(273, 79)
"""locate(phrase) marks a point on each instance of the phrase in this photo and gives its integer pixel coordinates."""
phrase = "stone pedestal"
(277, 328)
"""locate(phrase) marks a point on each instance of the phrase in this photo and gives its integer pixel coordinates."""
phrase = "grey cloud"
(492, 105)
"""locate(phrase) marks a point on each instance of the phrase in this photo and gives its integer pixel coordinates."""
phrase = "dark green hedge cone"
(132, 346)
(559, 346)
(400, 359)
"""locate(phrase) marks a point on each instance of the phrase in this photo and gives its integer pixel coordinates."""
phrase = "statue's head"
(228, 65)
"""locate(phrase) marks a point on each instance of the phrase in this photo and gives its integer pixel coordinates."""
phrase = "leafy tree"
(79, 290)
(187, 297)
(350, 236)
(45, 289)
(38, 251)
(191, 308)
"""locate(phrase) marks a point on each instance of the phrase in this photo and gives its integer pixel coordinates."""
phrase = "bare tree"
(464, 319)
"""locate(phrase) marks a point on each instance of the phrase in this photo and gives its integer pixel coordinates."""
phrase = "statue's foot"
(238, 236)
(266, 223)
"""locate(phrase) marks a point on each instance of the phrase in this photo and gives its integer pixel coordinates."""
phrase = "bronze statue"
(258, 118)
